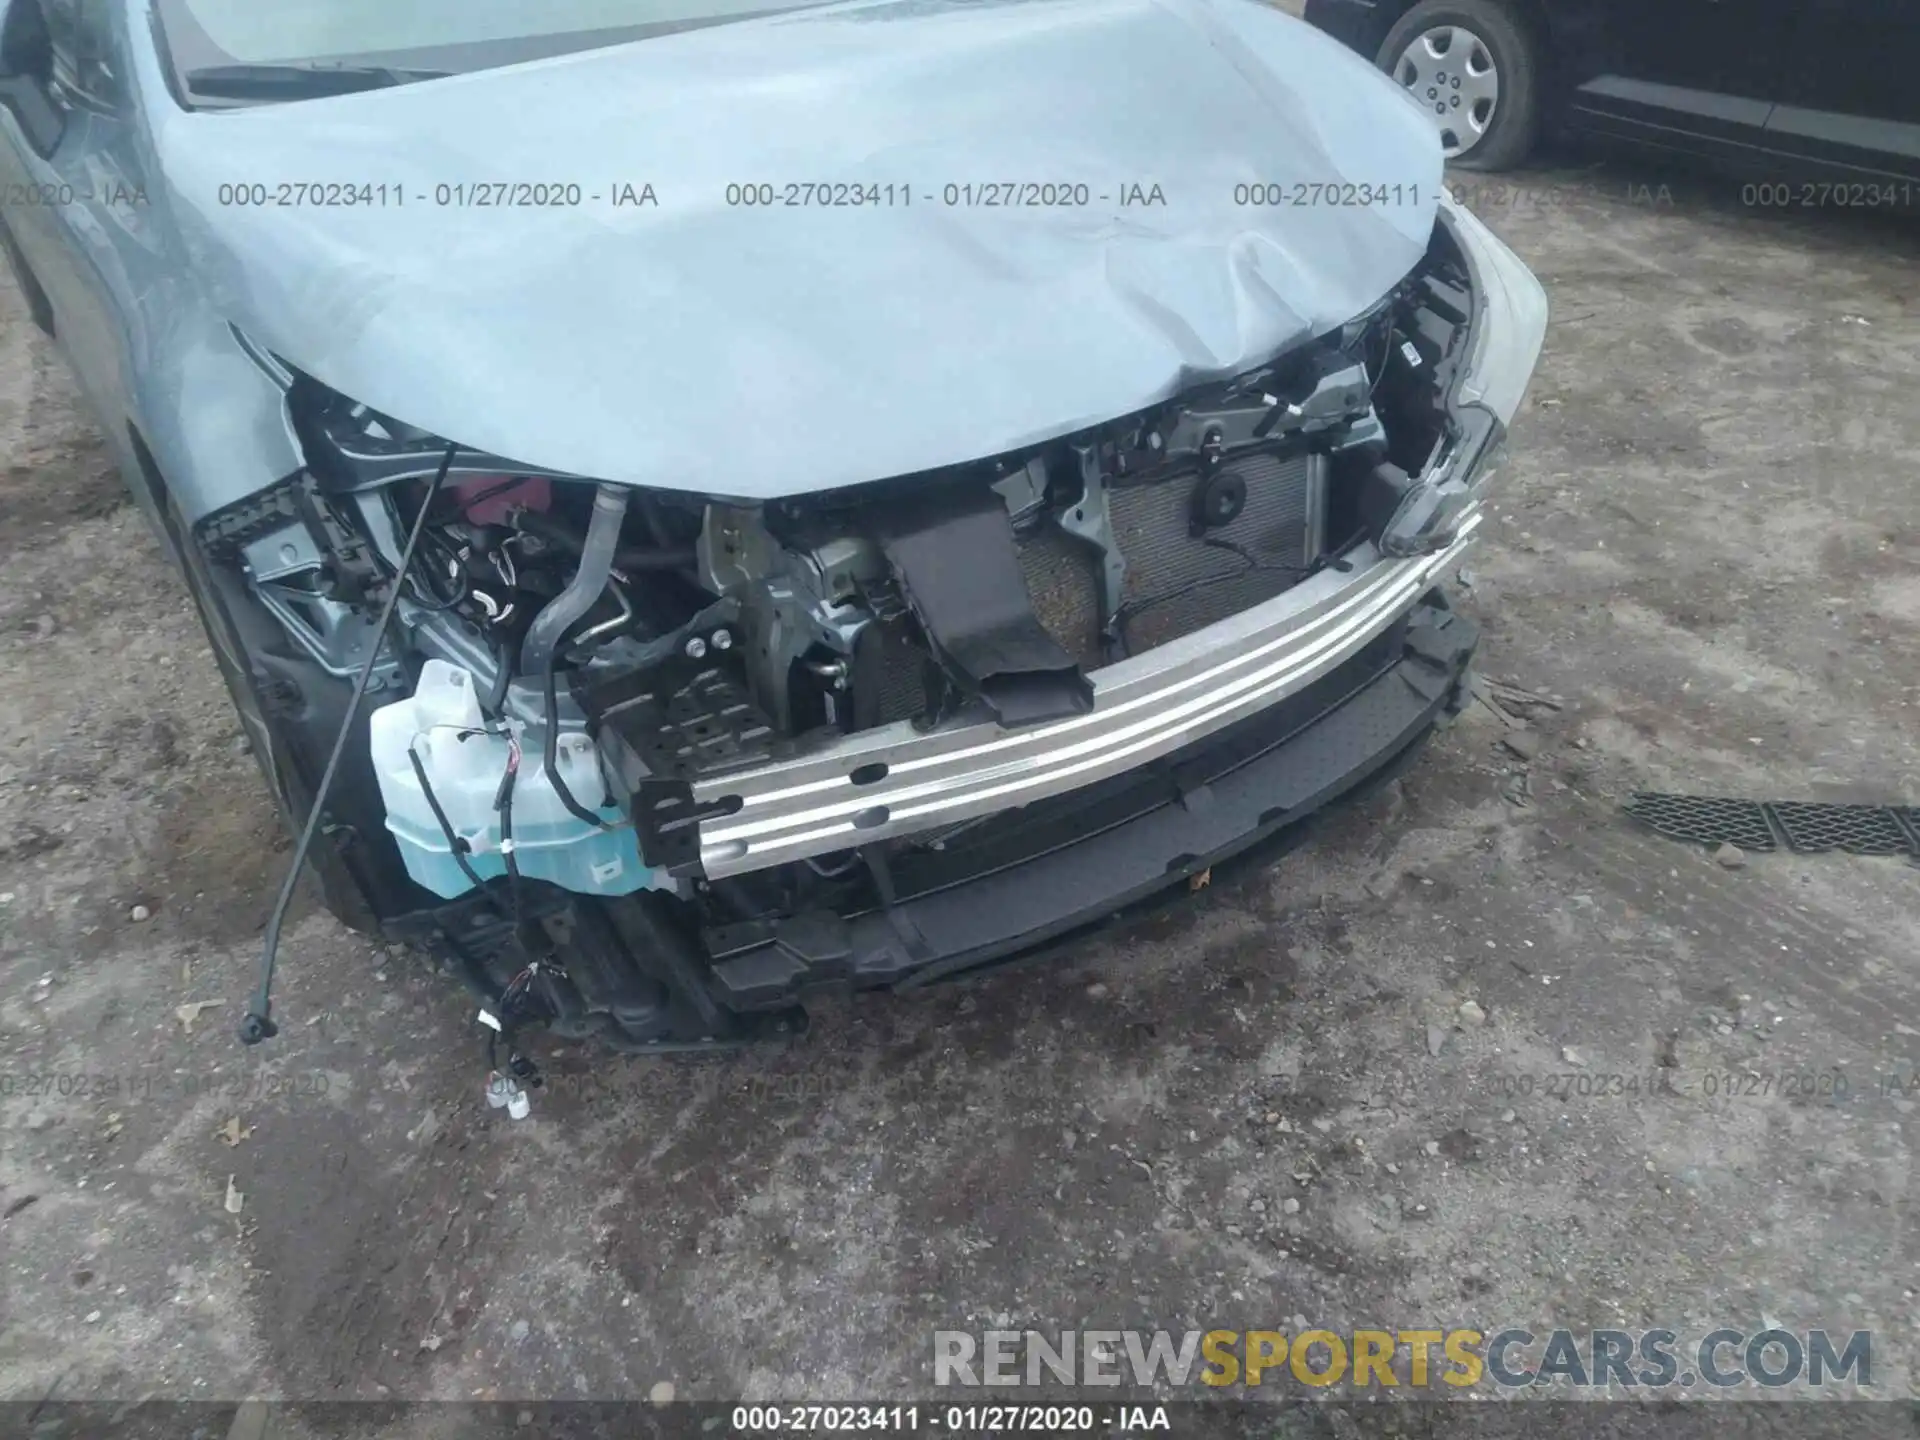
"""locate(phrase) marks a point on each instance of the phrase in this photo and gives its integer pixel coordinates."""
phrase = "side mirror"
(26, 70)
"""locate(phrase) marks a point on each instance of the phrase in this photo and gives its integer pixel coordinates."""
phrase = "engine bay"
(568, 656)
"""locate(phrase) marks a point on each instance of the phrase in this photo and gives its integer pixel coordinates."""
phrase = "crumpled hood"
(773, 350)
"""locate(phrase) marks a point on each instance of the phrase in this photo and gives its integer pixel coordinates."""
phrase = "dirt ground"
(1260, 1103)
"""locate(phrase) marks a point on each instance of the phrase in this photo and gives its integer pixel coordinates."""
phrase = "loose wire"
(257, 1024)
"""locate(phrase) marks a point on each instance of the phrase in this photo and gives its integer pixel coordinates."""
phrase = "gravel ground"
(1320, 1087)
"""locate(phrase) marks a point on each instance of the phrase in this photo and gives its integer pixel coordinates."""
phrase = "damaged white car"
(700, 504)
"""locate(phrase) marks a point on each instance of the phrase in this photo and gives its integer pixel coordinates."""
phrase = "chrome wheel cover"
(1450, 73)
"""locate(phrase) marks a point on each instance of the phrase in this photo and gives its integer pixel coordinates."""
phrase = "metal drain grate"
(1857, 829)
(1801, 826)
(1710, 821)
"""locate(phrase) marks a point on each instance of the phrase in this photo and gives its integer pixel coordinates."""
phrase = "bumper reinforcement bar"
(896, 780)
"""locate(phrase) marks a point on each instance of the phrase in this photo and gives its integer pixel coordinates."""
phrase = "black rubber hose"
(549, 629)
(503, 802)
(540, 650)
(454, 843)
(494, 706)
(550, 755)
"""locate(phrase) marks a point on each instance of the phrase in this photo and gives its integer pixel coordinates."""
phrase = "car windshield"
(424, 37)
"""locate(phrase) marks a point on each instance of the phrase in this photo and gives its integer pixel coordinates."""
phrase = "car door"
(73, 199)
(1850, 98)
(1693, 75)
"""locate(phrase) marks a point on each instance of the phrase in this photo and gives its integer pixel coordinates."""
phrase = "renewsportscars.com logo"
(1454, 1359)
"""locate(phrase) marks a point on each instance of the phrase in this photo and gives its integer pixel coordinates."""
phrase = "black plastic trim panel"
(1227, 794)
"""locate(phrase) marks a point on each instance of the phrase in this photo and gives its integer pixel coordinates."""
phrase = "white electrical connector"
(506, 1093)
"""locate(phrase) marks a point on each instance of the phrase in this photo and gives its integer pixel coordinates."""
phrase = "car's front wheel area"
(1475, 67)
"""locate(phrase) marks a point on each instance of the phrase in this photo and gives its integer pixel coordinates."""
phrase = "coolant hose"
(542, 644)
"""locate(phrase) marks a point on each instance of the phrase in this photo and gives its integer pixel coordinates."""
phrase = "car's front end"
(813, 645)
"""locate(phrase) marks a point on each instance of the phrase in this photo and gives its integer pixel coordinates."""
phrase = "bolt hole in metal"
(871, 774)
(871, 818)
(1450, 71)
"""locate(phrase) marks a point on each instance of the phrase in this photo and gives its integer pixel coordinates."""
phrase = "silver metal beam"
(1144, 707)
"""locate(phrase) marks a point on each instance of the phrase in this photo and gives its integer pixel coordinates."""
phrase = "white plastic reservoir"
(441, 723)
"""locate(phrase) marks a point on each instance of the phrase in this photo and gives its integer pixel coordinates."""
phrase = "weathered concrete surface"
(1707, 546)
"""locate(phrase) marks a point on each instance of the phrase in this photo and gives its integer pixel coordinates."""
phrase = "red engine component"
(488, 499)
